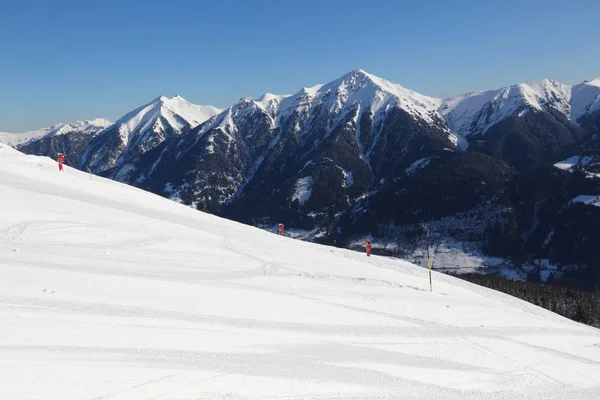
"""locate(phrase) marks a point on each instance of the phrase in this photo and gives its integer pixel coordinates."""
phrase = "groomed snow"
(417, 165)
(108, 292)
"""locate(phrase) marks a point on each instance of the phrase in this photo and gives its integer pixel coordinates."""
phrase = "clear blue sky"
(68, 60)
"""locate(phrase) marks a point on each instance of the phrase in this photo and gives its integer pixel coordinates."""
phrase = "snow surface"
(584, 162)
(570, 163)
(19, 139)
(348, 178)
(109, 292)
(269, 103)
(303, 190)
(585, 98)
(592, 200)
(417, 165)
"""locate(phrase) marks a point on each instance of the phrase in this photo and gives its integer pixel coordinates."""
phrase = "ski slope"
(108, 292)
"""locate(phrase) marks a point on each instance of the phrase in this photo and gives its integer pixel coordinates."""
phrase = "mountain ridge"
(85, 126)
(363, 157)
(587, 97)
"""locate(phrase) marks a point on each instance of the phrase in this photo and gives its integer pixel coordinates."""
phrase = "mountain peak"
(159, 99)
(358, 72)
(100, 122)
(143, 129)
(355, 90)
(175, 109)
(475, 112)
(542, 84)
(269, 97)
(593, 82)
(162, 99)
(585, 98)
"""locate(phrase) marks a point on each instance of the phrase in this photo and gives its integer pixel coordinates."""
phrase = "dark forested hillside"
(574, 304)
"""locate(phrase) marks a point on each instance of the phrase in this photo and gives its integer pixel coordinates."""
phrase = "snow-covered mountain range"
(474, 113)
(363, 156)
(21, 139)
(349, 127)
(358, 92)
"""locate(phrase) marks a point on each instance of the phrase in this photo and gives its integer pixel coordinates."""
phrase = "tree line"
(571, 303)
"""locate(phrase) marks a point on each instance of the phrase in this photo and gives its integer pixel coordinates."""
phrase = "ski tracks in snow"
(120, 295)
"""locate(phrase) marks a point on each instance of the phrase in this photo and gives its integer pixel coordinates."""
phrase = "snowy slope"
(19, 139)
(589, 164)
(110, 292)
(585, 98)
(473, 113)
(591, 200)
